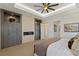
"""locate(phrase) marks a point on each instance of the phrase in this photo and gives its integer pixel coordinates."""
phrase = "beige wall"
(27, 25)
(44, 31)
(47, 29)
(63, 21)
(68, 34)
(64, 18)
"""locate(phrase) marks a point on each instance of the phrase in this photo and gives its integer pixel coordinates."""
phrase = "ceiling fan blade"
(37, 6)
(48, 4)
(51, 9)
(38, 9)
(47, 10)
(53, 5)
(42, 11)
(43, 3)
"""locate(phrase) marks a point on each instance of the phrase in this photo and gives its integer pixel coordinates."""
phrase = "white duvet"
(59, 48)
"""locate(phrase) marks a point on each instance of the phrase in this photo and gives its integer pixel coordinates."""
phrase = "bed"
(40, 47)
(59, 48)
(64, 47)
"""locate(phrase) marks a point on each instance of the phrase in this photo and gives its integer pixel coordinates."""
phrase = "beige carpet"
(26, 49)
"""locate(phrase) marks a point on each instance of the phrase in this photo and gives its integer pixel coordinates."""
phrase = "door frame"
(2, 24)
(39, 22)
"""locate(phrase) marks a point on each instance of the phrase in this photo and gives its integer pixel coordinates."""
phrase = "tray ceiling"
(30, 7)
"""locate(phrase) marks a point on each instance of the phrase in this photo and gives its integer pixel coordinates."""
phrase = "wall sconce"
(12, 19)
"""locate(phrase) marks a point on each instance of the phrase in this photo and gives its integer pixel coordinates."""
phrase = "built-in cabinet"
(11, 29)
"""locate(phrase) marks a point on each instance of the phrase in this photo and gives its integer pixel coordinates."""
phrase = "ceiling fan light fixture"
(45, 8)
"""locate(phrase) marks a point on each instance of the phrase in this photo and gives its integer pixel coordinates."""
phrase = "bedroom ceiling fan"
(46, 7)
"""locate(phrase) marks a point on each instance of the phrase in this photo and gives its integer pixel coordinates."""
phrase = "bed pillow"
(73, 45)
(71, 41)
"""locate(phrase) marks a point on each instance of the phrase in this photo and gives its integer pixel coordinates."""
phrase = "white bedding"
(59, 48)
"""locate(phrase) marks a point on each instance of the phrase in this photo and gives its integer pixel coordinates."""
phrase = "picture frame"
(55, 28)
(71, 27)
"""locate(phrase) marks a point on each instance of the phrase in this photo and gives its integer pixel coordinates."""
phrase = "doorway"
(37, 29)
(11, 29)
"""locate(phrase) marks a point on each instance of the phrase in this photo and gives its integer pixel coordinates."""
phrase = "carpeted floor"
(26, 49)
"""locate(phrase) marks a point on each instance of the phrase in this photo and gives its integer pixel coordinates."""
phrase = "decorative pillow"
(77, 35)
(71, 41)
(75, 47)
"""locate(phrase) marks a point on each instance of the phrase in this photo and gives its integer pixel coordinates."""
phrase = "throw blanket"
(40, 47)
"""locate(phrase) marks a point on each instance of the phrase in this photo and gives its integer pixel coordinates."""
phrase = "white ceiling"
(29, 7)
(22, 9)
(11, 7)
(32, 6)
(72, 13)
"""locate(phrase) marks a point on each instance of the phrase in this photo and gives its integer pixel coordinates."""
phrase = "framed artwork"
(71, 27)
